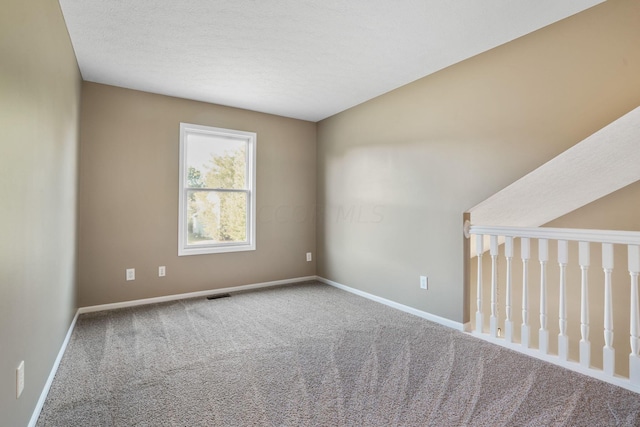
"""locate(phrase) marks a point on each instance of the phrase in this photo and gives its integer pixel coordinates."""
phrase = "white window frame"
(250, 138)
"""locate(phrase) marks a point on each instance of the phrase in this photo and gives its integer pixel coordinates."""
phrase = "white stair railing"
(525, 329)
(634, 356)
(586, 238)
(543, 333)
(608, 353)
(585, 345)
(508, 323)
(493, 325)
(479, 251)
(563, 338)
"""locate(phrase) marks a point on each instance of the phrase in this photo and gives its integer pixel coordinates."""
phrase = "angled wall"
(39, 109)
(396, 173)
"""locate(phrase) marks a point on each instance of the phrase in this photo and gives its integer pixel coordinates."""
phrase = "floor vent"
(217, 296)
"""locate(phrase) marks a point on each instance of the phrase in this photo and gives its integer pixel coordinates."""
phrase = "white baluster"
(563, 339)
(543, 332)
(493, 320)
(585, 345)
(525, 329)
(634, 327)
(608, 352)
(508, 323)
(479, 251)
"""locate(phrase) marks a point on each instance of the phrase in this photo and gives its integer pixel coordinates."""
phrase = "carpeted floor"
(309, 355)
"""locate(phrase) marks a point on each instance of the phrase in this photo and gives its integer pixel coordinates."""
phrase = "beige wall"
(617, 211)
(128, 197)
(394, 176)
(39, 108)
(415, 159)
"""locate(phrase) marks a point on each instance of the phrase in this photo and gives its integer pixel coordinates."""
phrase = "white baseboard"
(54, 369)
(198, 294)
(554, 359)
(428, 316)
(45, 391)
(81, 310)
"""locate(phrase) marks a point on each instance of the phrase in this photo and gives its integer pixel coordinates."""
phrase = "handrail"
(604, 240)
(572, 234)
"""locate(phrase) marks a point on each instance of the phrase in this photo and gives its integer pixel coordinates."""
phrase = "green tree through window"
(217, 194)
(219, 216)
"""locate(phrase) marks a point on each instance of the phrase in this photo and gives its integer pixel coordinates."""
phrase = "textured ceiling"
(599, 165)
(296, 58)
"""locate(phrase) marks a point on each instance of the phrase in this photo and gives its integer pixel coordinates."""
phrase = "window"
(217, 190)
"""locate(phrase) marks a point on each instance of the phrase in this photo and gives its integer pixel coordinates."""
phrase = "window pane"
(216, 217)
(216, 161)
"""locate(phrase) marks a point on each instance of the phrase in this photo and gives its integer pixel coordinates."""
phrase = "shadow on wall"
(354, 213)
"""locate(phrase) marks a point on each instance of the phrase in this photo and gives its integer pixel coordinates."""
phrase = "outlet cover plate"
(131, 274)
(162, 271)
(424, 282)
(309, 256)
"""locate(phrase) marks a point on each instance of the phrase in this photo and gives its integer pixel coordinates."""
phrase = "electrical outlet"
(162, 271)
(19, 379)
(309, 256)
(424, 282)
(131, 274)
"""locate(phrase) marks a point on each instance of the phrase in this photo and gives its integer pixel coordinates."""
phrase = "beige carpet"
(309, 355)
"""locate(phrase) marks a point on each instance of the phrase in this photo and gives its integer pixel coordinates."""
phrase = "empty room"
(305, 213)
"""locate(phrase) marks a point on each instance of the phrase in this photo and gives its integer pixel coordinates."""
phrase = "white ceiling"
(307, 59)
